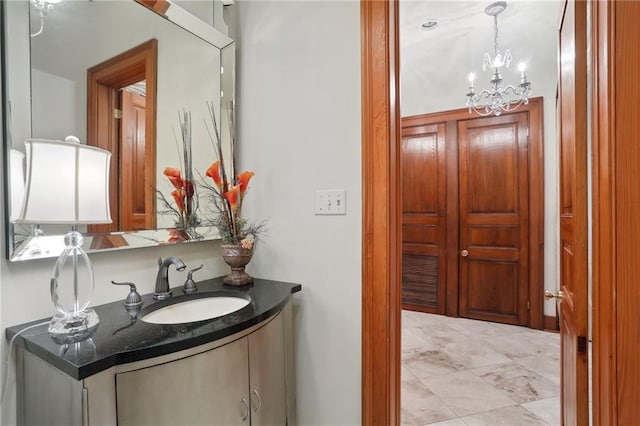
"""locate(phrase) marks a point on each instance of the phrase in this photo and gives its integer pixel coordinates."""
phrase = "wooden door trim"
(604, 211)
(536, 202)
(452, 307)
(381, 206)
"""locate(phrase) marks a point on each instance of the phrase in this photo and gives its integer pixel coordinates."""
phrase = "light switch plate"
(331, 201)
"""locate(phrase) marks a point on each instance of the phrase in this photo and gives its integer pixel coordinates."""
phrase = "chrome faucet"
(162, 279)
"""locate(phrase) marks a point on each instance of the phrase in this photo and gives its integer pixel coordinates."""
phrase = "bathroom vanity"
(232, 370)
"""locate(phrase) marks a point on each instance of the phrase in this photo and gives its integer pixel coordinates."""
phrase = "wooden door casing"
(573, 214)
(494, 218)
(381, 214)
(616, 224)
(423, 180)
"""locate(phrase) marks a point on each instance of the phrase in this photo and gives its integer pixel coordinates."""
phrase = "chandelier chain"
(495, 34)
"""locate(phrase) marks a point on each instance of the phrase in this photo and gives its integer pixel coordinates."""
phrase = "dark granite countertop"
(120, 339)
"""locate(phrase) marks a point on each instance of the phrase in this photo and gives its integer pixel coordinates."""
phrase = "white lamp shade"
(67, 183)
(16, 183)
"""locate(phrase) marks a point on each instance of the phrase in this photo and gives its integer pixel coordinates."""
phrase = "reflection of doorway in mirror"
(121, 114)
(133, 213)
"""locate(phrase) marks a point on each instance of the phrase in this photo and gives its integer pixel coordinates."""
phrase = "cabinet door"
(205, 389)
(267, 374)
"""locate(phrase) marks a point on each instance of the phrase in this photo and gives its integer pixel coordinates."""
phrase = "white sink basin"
(196, 310)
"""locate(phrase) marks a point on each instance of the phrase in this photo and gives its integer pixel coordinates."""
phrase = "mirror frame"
(147, 238)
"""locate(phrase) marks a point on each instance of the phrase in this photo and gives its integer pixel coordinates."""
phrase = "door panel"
(135, 209)
(494, 218)
(105, 134)
(494, 278)
(573, 214)
(423, 218)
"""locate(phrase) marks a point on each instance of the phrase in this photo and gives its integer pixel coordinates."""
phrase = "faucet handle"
(190, 284)
(133, 300)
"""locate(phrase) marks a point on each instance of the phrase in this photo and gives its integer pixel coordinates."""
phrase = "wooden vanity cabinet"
(244, 379)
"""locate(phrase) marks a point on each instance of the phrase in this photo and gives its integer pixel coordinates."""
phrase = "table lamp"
(68, 183)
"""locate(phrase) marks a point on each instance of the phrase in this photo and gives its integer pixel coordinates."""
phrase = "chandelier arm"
(41, 29)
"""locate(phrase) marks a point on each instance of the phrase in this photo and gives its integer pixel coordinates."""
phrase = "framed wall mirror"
(127, 76)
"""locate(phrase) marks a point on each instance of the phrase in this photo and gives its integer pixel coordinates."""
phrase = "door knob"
(464, 253)
(549, 295)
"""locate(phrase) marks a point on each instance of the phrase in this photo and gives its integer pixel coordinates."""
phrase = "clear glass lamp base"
(71, 290)
(73, 327)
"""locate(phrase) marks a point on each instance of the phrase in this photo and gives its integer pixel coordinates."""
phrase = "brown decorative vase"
(237, 258)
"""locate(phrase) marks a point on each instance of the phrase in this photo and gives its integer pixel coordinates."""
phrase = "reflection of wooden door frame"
(136, 64)
(158, 6)
(451, 119)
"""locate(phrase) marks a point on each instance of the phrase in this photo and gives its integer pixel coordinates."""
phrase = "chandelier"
(43, 7)
(498, 98)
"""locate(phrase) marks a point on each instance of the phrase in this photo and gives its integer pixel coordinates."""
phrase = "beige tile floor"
(457, 371)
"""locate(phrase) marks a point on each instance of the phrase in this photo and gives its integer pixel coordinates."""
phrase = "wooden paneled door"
(136, 192)
(423, 218)
(472, 215)
(573, 296)
(494, 218)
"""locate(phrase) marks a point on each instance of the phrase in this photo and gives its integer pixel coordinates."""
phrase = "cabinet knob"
(256, 406)
(247, 410)
(464, 253)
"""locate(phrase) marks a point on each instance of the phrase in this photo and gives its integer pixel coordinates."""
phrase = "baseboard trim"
(551, 324)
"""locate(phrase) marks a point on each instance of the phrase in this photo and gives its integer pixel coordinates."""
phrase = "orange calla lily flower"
(233, 196)
(174, 176)
(178, 196)
(189, 188)
(244, 179)
(214, 173)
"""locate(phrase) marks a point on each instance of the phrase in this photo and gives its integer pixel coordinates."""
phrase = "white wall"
(60, 93)
(299, 130)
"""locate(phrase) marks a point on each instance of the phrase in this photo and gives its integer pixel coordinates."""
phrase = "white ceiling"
(434, 65)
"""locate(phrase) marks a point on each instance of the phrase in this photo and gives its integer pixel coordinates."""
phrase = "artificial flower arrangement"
(228, 192)
(184, 188)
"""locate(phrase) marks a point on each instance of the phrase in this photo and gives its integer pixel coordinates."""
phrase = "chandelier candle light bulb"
(523, 75)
